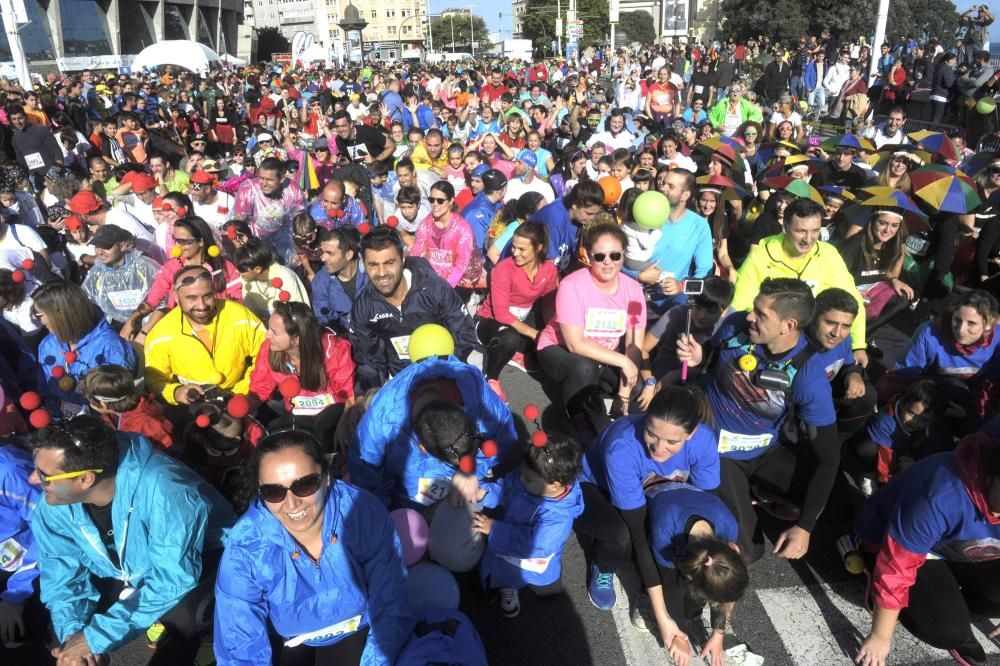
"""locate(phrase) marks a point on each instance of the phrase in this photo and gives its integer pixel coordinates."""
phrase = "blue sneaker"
(602, 588)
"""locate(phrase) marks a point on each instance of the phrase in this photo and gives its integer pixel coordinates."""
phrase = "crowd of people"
(256, 325)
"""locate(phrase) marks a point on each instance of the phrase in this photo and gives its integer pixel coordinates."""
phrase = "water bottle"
(847, 546)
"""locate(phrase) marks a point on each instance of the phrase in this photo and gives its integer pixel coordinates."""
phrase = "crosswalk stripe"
(827, 623)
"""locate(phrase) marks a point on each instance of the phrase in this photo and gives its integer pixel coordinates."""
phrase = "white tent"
(179, 52)
(227, 60)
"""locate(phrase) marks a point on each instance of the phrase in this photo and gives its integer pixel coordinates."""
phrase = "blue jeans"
(817, 99)
(796, 87)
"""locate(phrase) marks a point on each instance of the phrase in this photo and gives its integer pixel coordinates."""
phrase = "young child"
(111, 392)
(621, 167)
(265, 281)
(217, 443)
(537, 506)
(641, 240)
(454, 173)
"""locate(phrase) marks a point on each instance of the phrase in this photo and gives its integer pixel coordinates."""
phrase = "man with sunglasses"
(204, 342)
(130, 537)
(402, 293)
(212, 205)
(728, 114)
(841, 170)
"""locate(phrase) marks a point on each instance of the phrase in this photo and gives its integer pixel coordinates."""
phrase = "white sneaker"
(638, 613)
(510, 603)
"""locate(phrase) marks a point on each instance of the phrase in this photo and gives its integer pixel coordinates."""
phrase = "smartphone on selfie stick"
(691, 288)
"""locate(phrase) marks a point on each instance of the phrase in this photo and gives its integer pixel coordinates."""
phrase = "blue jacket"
(354, 214)
(164, 517)
(437, 641)
(18, 498)
(809, 78)
(265, 578)
(562, 233)
(525, 545)
(101, 346)
(479, 214)
(331, 303)
(384, 457)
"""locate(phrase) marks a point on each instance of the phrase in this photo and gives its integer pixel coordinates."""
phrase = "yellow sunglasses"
(46, 480)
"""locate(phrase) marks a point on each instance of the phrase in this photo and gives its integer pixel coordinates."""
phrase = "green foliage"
(270, 41)
(786, 20)
(539, 22)
(465, 28)
(638, 26)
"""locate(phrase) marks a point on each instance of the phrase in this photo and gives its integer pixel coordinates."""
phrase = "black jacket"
(375, 323)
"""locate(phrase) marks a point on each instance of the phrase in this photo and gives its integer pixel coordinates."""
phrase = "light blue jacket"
(164, 516)
(384, 457)
(359, 581)
(18, 498)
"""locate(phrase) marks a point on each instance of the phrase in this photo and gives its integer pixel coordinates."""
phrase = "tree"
(466, 27)
(271, 41)
(538, 23)
(638, 26)
(922, 19)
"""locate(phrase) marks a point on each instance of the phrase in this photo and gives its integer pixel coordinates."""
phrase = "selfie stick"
(687, 330)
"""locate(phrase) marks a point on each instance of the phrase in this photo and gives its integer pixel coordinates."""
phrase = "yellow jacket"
(175, 355)
(423, 162)
(821, 270)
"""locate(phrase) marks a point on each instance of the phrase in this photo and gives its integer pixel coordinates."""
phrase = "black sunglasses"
(599, 257)
(191, 279)
(274, 493)
(438, 200)
(995, 170)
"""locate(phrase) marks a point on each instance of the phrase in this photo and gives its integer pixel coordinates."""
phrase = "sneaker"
(495, 385)
(642, 609)
(867, 484)
(510, 603)
(969, 653)
(517, 361)
(601, 588)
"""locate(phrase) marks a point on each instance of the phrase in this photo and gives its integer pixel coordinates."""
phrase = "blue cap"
(478, 171)
(528, 158)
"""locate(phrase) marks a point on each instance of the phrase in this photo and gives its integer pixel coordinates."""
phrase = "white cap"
(264, 136)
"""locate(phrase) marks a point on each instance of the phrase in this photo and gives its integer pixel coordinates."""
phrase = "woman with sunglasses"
(750, 132)
(446, 240)
(298, 347)
(896, 173)
(79, 340)
(597, 310)
(193, 243)
(313, 572)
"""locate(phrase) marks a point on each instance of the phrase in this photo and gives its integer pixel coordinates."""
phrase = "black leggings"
(186, 622)
(501, 343)
(583, 382)
(602, 532)
(852, 413)
(344, 653)
(943, 597)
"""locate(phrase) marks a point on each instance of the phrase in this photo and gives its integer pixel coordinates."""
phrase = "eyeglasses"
(995, 170)
(750, 133)
(186, 241)
(600, 257)
(305, 486)
(438, 200)
(196, 187)
(191, 279)
(46, 480)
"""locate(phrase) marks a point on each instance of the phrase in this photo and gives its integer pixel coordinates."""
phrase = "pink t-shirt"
(603, 317)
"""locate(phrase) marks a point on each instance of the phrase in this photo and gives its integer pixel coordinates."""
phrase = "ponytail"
(714, 571)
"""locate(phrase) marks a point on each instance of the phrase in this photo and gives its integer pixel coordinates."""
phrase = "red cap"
(143, 182)
(84, 203)
(73, 223)
(203, 178)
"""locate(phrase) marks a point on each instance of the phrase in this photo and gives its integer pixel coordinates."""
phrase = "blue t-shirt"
(928, 510)
(834, 359)
(932, 352)
(748, 418)
(672, 507)
(619, 462)
(562, 232)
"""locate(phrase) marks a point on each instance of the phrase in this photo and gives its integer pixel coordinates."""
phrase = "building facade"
(394, 27)
(89, 34)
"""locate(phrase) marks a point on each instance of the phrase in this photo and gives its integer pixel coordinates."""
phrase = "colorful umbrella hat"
(948, 194)
(854, 141)
(980, 161)
(838, 191)
(784, 166)
(796, 186)
(930, 173)
(937, 143)
(726, 188)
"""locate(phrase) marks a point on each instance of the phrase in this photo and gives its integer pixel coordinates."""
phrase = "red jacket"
(339, 373)
(147, 419)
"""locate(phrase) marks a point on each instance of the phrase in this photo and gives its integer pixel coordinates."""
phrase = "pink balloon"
(413, 531)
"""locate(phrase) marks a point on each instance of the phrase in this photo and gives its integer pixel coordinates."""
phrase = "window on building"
(404, 12)
(207, 21)
(390, 13)
(176, 22)
(392, 29)
(374, 14)
(35, 37)
(138, 16)
(85, 28)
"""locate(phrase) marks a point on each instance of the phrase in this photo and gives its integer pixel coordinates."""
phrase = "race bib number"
(11, 555)
(126, 299)
(71, 409)
(605, 323)
(536, 565)
(519, 313)
(441, 256)
(401, 343)
(824, 234)
(326, 634)
(310, 405)
(432, 491)
(34, 161)
(736, 442)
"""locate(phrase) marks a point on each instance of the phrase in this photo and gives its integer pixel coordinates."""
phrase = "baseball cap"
(321, 143)
(203, 177)
(479, 170)
(494, 181)
(84, 203)
(199, 137)
(528, 158)
(109, 235)
(143, 182)
(264, 136)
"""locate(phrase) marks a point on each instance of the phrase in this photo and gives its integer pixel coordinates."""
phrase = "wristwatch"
(649, 381)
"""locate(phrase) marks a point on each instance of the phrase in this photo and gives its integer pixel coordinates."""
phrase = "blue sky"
(488, 10)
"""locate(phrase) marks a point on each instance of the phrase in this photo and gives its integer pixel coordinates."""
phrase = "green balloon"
(986, 105)
(651, 210)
